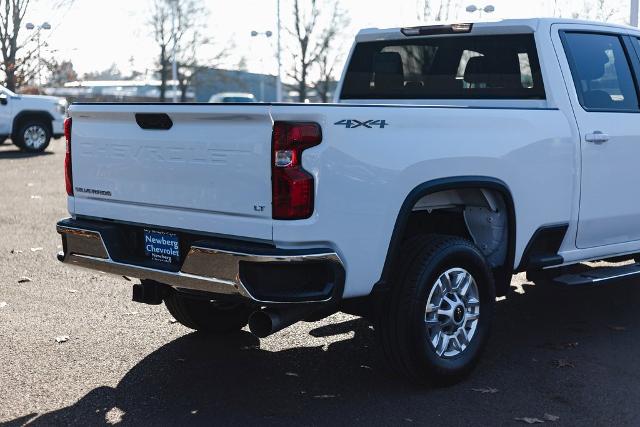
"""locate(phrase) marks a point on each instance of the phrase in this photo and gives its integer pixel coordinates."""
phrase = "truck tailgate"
(211, 166)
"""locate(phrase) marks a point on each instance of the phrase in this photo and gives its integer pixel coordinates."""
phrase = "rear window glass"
(456, 67)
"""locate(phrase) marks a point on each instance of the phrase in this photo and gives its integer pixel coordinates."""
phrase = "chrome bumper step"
(204, 269)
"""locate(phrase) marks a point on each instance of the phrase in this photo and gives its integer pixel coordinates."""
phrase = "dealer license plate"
(161, 246)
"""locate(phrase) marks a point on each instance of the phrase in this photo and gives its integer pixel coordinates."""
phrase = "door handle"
(596, 137)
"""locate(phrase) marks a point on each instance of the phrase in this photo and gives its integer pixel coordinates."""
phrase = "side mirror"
(3, 99)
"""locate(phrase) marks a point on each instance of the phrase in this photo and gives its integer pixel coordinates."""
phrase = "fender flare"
(24, 113)
(502, 274)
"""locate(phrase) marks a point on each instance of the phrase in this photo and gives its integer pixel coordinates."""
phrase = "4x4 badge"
(351, 124)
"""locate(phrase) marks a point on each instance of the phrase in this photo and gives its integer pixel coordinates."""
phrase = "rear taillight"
(292, 187)
(68, 178)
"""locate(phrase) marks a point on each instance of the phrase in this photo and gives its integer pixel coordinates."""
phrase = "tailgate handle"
(154, 121)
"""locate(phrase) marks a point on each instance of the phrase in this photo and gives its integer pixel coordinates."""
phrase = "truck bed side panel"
(363, 174)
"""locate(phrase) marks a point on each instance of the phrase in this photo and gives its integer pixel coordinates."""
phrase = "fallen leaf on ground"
(489, 390)
(550, 417)
(570, 345)
(73, 291)
(564, 363)
(291, 374)
(529, 420)
(62, 338)
(3, 304)
(324, 396)
(131, 313)
(365, 367)
(561, 346)
(409, 420)
(618, 328)
(24, 279)
(16, 251)
(172, 320)
(249, 347)
(36, 249)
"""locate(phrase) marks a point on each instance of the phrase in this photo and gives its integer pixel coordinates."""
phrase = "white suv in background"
(232, 97)
(30, 120)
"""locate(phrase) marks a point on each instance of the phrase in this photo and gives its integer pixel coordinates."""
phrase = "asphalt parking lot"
(571, 354)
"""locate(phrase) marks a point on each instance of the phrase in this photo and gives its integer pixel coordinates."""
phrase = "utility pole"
(279, 78)
(634, 13)
(472, 8)
(174, 65)
(267, 34)
(38, 29)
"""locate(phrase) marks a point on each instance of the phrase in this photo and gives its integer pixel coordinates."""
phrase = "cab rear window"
(452, 67)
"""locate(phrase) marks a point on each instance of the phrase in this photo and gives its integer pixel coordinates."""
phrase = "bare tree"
(326, 69)
(190, 59)
(61, 73)
(314, 34)
(437, 10)
(190, 20)
(599, 10)
(330, 55)
(110, 73)
(161, 23)
(18, 53)
(12, 13)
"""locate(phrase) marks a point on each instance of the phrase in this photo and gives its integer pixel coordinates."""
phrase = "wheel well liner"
(442, 184)
(28, 114)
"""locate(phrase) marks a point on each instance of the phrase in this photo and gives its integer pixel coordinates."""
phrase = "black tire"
(206, 316)
(401, 325)
(28, 126)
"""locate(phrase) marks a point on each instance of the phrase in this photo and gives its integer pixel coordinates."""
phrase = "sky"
(95, 34)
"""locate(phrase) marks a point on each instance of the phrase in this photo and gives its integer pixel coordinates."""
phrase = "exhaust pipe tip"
(261, 324)
(267, 321)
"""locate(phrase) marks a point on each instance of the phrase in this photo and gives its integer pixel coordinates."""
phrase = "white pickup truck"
(31, 120)
(454, 157)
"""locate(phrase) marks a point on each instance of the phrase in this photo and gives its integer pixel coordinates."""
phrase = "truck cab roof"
(504, 26)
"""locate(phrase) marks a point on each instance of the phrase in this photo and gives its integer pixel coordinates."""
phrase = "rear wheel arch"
(503, 273)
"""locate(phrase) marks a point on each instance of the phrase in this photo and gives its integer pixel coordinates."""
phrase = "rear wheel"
(436, 319)
(33, 136)
(207, 316)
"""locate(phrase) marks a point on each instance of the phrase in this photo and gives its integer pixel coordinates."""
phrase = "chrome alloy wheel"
(452, 312)
(34, 137)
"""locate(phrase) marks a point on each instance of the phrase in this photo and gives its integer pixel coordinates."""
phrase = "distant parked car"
(30, 120)
(229, 97)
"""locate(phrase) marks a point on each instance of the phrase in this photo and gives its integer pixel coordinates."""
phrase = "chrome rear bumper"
(204, 268)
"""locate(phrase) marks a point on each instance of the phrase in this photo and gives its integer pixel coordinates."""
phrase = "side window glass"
(601, 72)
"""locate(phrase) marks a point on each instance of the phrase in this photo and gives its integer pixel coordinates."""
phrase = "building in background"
(207, 82)
(210, 81)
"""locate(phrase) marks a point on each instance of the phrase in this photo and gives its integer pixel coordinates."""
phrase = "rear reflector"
(432, 30)
(68, 178)
(292, 187)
